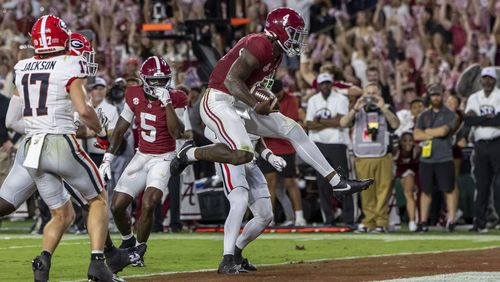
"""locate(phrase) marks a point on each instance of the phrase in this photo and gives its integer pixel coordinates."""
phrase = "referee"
(483, 112)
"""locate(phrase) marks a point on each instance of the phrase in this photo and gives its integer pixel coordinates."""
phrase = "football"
(263, 94)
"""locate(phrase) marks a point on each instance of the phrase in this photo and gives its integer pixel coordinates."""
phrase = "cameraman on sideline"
(373, 120)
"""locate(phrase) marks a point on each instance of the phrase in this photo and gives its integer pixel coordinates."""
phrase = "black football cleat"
(41, 268)
(180, 162)
(351, 186)
(99, 271)
(246, 265)
(228, 268)
(117, 259)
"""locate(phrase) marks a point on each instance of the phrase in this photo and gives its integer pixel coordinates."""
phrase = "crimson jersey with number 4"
(43, 85)
(260, 47)
(151, 119)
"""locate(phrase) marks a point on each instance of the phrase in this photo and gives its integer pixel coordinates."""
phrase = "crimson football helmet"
(49, 34)
(80, 46)
(288, 27)
(155, 72)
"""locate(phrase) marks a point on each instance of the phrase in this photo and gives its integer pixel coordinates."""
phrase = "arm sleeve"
(14, 118)
(127, 113)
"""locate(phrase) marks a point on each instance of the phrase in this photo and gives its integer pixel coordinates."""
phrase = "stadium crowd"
(382, 73)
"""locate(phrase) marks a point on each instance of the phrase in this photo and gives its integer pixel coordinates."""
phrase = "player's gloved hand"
(277, 162)
(263, 108)
(102, 143)
(163, 95)
(105, 167)
(104, 120)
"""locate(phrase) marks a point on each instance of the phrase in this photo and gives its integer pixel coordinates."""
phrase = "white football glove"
(105, 167)
(104, 120)
(163, 95)
(277, 162)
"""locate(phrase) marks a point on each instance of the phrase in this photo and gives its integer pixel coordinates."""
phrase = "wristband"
(266, 153)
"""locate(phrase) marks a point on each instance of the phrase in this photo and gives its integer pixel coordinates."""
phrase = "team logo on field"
(76, 43)
(135, 101)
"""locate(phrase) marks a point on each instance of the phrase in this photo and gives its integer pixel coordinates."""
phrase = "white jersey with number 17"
(43, 85)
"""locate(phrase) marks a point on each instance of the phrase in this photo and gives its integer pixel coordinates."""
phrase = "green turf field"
(190, 252)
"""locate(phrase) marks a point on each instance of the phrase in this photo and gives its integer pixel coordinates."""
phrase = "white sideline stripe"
(458, 277)
(297, 236)
(314, 260)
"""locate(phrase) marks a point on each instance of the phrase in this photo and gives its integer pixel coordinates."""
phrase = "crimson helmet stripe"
(44, 38)
(158, 66)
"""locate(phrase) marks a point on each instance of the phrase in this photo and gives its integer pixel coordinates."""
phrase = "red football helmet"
(80, 46)
(288, 27)
(155, 72)
(49, 34)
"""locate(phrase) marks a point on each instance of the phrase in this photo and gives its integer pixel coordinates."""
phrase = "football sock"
(127, 243)
(238, 257)
(299, 215)
(238, 199)
(262, 211)
(335, 180)
(190, 155)
(228, 258)
(46, 254)
(97, 255)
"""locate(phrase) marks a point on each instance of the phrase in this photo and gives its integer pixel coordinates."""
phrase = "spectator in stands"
(97, 98)
(373, 120)
(324, 111)
(289, 107)
(482, 112)
(6, 146)
(435, 129)
(408, 118)
(406, 160)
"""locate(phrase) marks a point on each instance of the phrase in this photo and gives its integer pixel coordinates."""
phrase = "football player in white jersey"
(51, 87)
(244, 186)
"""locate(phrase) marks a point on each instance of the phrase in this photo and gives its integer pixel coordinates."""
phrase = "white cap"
(489, 71)
(324, 77)
(99, 81)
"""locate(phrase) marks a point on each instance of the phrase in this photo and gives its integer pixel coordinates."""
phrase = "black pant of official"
(486, 167)
(336, 155)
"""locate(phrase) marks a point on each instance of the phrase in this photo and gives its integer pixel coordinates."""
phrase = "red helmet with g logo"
(155, 72)
(80, 46)
(49, 34)
(288, 27)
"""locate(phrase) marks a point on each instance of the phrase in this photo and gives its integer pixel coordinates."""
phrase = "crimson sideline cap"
(324, 77)
(489, 71)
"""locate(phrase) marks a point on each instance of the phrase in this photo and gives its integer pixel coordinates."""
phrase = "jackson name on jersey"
(43, 85)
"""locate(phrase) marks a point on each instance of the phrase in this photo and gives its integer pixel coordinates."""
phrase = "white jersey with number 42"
(43, 85)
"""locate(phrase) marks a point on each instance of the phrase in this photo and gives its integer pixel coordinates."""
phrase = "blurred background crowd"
(411, 50)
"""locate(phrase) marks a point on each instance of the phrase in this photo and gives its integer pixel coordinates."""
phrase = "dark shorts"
(440, 175)
(288, 171)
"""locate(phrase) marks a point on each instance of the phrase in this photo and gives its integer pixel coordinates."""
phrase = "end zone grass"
(191, 252)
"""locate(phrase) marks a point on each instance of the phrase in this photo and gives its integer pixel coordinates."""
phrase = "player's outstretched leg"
(219, 153)
(277, 125)
(238, 200)
(262, 211)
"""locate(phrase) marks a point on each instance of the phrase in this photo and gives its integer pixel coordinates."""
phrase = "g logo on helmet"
(76, 44)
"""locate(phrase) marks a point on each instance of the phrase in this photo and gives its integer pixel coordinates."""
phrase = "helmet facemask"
(150, 83)
(295, 44)
(89, 57)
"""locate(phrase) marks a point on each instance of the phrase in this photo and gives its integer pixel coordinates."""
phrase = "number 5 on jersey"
(151, 135)
(29, 80)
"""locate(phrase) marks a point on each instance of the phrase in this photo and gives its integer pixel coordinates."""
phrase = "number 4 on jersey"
(32, 78)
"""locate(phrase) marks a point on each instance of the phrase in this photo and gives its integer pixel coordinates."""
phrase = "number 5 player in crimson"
(252, 60)
(153, 106)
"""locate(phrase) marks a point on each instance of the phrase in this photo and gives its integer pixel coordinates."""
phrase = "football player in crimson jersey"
(255, 58)
(52, 83)
(153, 106)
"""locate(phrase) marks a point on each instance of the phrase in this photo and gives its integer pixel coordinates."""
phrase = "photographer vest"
(371, 136)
